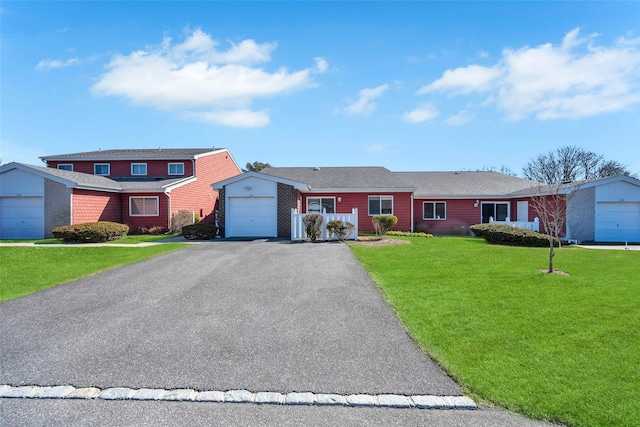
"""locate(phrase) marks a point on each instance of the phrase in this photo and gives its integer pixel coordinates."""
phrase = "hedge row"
(506, 234)
(199, 231)
(410, 234)
(91, 232)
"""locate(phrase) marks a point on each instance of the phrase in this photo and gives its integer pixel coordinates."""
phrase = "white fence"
(297, 227)
(535, 225)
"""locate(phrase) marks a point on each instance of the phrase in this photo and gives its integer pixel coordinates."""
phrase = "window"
(434, 210)
(317, 204)
(101, 169)
(66, 166)
(498, 211)
(143, 206)
(138, 168)
(176, 168)
(380, 205)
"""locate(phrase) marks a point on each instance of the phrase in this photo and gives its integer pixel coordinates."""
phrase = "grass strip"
(25, 270)
(552, 347)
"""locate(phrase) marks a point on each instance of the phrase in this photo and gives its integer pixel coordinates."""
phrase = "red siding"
(401, 207)
(199, 196)
(122, 168)
(135, 222)
(460, 213)
(92, 206)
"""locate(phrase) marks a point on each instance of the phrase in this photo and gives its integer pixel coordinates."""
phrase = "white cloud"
(363, 106)
(378, 147)
(195, 75)
(321, 65)
(232, 118)
(461, 118)
(421, 114)
(573, 80)
(46, 64)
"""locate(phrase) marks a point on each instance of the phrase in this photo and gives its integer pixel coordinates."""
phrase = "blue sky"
(405, 85)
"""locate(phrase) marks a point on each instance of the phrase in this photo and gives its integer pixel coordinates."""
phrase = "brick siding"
(581, 220)
(287, 200)
(57, 206)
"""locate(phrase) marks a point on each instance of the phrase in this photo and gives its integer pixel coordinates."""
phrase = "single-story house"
(140, 188)
(260, 204)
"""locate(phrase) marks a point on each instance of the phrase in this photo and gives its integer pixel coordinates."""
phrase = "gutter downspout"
(166, 193)
(412, 212)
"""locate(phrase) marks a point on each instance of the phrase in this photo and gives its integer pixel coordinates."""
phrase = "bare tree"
(503, 169)
(571, 164)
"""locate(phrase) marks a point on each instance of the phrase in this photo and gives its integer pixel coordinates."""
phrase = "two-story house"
(140, 188)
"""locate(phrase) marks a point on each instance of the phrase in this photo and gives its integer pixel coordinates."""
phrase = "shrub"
(154, 229)
(340, 229)
(409, 234)
(312, 225)
(506, 234)
(421, 227)
(382, 223)
(91, 232)
(199, 231)
(180, 219)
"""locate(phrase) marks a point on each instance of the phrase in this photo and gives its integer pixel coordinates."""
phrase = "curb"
(238, 396)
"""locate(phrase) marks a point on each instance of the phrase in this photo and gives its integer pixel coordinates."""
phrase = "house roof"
(297, 185)
(347, 179)
(464, 184)
(96, 182)
(137, 154)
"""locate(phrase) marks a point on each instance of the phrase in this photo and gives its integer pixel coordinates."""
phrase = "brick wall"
(581, 218)
(287, 200)
(221, 212)
(57, 206)
(92, 206)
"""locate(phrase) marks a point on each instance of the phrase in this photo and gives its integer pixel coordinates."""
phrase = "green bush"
(91, 232)
(199, 231)
(383, 223)
(340, 229)
(410, 234)
(313, 225)
(506, 234)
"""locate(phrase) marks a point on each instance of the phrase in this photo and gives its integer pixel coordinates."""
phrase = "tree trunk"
(551, 254)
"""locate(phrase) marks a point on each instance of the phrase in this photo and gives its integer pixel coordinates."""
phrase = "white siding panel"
(617, 192)
(252, 187)
(20, 183)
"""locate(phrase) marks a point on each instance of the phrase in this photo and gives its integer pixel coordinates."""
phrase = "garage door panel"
(21, 218)
(618, 222)
(252, 217)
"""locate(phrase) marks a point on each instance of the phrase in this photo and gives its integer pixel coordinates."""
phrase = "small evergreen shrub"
(383, 223)
(199, 231)
(340, 229)
(91, 232)
(421, 227)
(410, 234)
(313, 225)
(506, 234)
(154, 229)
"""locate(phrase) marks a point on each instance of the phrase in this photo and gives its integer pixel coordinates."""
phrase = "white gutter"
(412, 207)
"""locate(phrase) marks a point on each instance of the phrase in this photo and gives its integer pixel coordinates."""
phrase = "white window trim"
(321, 197)
(108, 165)
(139, 164)
(144, 197)
(434, 211)
(65, 164)
(380, 197)
(175, 163)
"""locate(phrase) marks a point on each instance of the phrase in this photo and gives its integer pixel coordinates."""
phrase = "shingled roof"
(97, 182)
(464, 184)
(342, 178)
(137, 154)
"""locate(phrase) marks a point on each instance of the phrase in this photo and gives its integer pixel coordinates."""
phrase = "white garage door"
(618, 222)
(21, 217)
(252, 217)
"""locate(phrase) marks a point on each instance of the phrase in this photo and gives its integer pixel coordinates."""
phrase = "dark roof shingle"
(134, 154)
(346, 178)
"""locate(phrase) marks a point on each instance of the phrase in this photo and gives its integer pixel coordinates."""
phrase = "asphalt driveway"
(261, 316)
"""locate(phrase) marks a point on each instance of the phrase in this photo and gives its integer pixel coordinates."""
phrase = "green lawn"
(558, 348)
(25, 270)
(129, 240)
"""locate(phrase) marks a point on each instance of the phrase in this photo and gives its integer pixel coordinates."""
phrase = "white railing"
(297, 227)
(535, 225)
